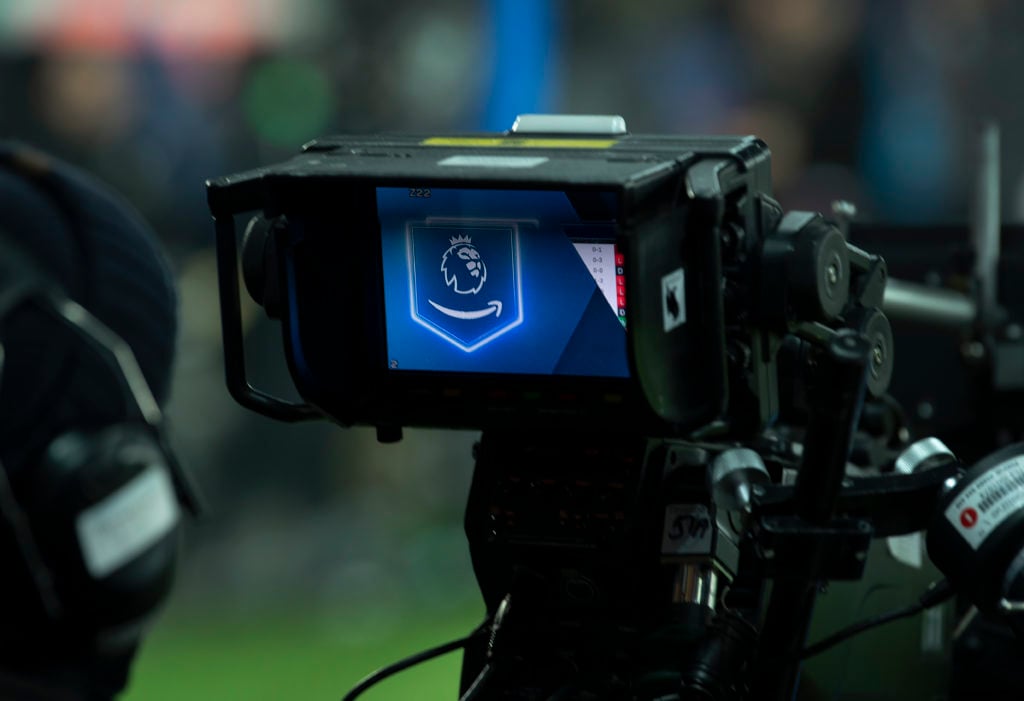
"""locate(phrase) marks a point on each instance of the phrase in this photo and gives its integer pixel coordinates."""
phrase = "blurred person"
(122, 115)
(789, 73)
(89, 492)
(878, 103)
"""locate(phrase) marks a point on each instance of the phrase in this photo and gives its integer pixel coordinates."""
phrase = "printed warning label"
(988, 501)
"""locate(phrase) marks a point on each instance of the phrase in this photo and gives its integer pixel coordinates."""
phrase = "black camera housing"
(701, 204)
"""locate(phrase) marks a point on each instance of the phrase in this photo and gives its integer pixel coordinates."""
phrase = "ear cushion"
(105, 518)
(98, 248)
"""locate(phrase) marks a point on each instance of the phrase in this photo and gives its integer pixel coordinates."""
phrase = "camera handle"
(840, 378)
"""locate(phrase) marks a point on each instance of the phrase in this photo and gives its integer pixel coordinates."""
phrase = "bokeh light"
(287, 101)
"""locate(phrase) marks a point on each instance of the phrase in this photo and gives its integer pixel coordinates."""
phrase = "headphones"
(91, 520)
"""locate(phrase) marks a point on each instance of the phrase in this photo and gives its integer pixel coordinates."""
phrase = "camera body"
(516, 281)
(615, 312)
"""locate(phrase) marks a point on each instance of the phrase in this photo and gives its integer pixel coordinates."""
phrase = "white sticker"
(988, 501)
(907, 549)
(673, 299)
(933, 630)
(126, 523)
(493, 161)
(688, 530)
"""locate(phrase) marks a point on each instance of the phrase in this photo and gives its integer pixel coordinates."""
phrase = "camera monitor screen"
(503, 281)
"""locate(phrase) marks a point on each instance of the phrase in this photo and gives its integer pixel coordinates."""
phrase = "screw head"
(844, 209)
(973, 350)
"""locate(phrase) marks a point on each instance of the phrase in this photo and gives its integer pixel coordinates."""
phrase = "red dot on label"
(968, 517)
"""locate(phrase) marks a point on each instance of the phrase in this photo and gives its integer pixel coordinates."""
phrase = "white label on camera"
(933, 630)
(128, 522)
(688, 530)
(673, 299)
(907, 549)
(988, 501)
(470, 161)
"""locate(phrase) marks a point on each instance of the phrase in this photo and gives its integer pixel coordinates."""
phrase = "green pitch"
(271, 656)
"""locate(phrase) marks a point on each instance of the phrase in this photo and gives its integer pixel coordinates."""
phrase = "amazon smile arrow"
(493, 307)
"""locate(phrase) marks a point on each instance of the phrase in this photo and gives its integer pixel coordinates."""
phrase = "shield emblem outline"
(514, 316)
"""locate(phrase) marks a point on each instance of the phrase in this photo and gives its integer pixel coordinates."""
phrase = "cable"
(411, 661)
(492, 645)
(479, 683)
(492, 626)
(936, 593)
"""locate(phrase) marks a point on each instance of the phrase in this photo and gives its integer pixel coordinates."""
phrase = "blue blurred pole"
(523, 35)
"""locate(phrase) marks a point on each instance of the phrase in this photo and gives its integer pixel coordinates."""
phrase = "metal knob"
(923, 455)
(734, 474)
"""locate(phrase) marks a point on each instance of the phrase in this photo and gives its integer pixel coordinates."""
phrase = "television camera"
(681, 390)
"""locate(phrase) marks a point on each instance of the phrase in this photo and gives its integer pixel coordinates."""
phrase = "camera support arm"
(894, 504)
(839, 384)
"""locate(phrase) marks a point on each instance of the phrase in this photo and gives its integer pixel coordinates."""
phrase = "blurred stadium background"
(325, 554)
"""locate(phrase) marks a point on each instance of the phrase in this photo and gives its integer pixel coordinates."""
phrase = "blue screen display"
(502, 281)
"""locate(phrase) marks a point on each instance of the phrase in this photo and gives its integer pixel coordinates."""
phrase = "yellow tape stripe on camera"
(515, 142)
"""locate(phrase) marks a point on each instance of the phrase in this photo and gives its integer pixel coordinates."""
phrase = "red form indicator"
(620, 284)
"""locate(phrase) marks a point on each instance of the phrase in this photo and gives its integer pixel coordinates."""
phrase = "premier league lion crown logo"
(463, 268)
(453, 300)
